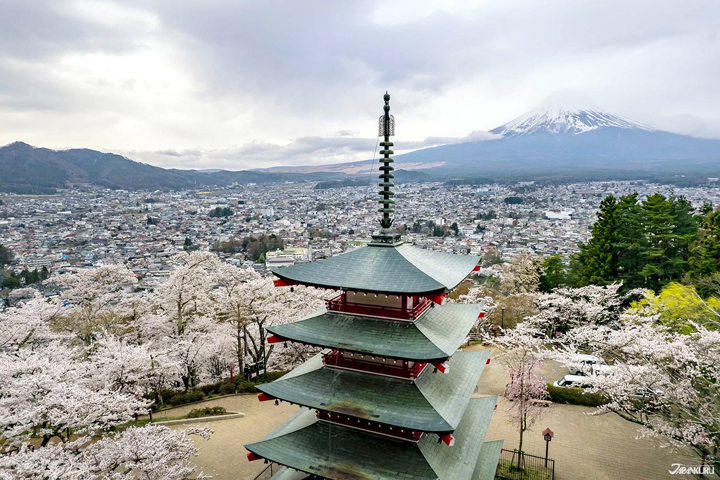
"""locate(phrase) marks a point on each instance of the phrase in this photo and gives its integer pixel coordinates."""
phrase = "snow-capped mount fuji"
(556, 141)
(558, 120)
(567, 138)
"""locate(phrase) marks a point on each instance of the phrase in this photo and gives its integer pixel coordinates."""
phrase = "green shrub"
(165, 395)
(271, 377)
(210, 389)
(187, 397)
(244, 386)
(194, 396)
(226, 388)
(575, 396)
(206, 412)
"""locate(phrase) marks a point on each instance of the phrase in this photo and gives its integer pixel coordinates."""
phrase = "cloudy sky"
(248, 84)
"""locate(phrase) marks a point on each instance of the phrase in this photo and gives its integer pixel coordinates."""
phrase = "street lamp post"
(502, 317)
(547, 435)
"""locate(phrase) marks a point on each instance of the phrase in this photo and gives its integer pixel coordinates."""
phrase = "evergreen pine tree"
(630, 242)
(658, 229)
(554, 275)
(705, 258)
(685, 232)
(598, 257)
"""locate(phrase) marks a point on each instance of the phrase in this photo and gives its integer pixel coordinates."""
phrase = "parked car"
(647, 393)
(600, 369)
(572, 381)
(583, 363)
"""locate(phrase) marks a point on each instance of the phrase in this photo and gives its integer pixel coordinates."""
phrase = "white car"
(582, 364)
(572, 381)
(647, 393)
(600, 369)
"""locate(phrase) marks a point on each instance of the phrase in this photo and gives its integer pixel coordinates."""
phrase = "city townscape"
(143, 230)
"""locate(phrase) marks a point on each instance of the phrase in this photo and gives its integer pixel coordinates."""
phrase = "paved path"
(585, 447)
(223, 456)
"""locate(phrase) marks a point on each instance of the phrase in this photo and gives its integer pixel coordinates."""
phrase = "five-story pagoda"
(389, 397)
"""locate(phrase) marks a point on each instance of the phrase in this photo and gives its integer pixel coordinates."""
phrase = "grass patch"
(510, 471)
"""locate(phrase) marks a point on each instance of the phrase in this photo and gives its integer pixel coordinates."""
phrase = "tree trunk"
(239, 352)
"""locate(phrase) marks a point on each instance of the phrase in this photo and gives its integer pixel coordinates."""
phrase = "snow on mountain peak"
(556, 119)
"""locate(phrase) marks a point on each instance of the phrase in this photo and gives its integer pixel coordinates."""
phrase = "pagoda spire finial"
(386, 130)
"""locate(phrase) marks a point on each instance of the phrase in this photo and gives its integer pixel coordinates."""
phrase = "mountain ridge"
(37, 170)
(554, 143)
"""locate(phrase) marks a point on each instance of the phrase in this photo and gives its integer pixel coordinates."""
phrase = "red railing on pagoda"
(340, 304)
(402, 368)
(369, 425)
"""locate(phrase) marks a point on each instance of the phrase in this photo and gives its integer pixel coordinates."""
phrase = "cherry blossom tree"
(475, 295)
(20, 295)
(57, 397)
(523, 390)
(231, 303)
(522, 275)
(181, 320)
(135, 369)
(567, 308)
(29, 325)
(51, 392)
(266, 305)
(663, 380)
(93, 297)
(151, 452)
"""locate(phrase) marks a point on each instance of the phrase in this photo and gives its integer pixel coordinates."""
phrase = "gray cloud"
(179, 82)
(301, 151)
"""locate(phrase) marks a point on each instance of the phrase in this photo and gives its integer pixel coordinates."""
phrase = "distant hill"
(401, 176)
(27, 169)
(550, 143)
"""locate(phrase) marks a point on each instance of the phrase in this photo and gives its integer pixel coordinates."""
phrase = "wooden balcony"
(368, 363)
(340, 304)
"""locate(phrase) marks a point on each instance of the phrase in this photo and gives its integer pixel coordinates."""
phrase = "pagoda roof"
(487, 461)
(390, 268)
(435, 335)
(332, 451)
(431, 403)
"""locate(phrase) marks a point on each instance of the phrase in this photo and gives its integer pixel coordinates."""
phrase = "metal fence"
(268, 472)
(516, 465)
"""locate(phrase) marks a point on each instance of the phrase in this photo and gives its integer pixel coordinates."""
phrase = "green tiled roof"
(337, 452)
(434, 402)
(458, 462)
(389, 269)
(488, 460)
(436, 335)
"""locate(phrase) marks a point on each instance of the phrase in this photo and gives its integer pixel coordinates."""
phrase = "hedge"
(206, 412)
(575, 396)
(224, 387)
